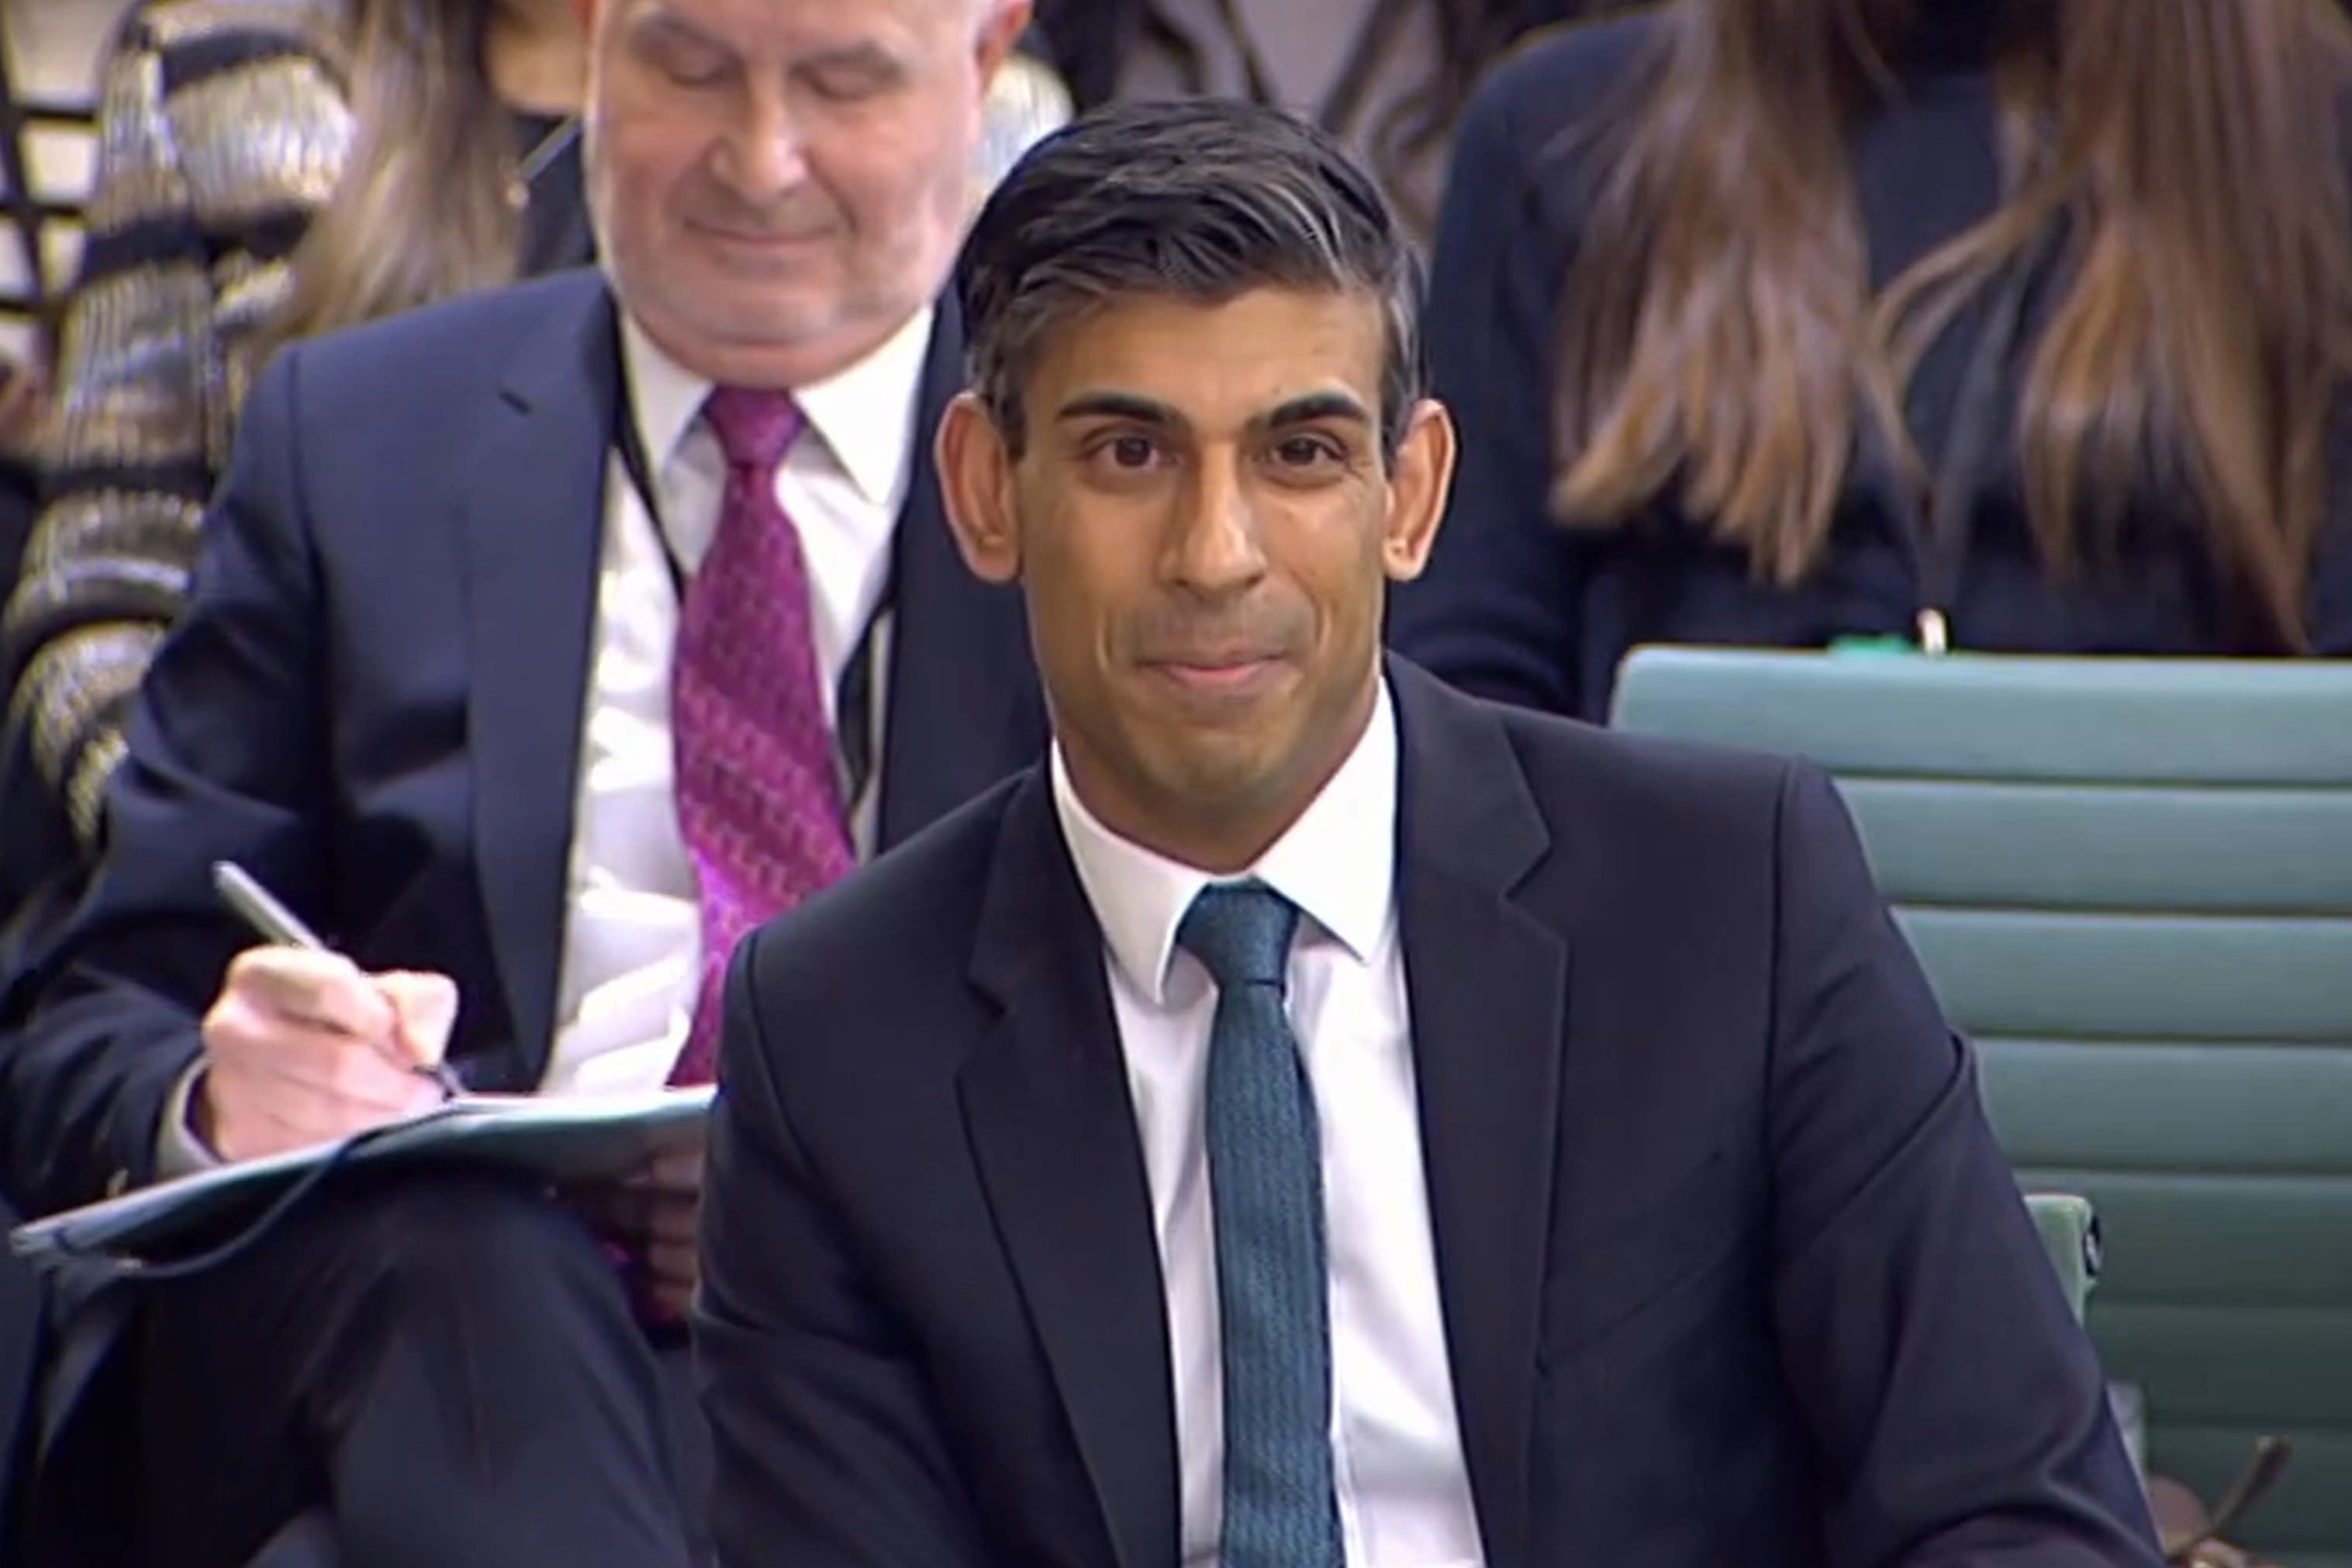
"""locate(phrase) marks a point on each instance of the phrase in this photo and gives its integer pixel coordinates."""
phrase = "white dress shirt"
(1396, 1449)
(632, 958)
(632, 955)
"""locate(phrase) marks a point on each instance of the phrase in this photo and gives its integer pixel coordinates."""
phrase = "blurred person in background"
(2002, 326)
(268, 169)
(542, 641)
(1389, 78)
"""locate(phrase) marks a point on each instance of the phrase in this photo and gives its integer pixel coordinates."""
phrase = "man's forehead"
(783, 20)
(1267, 345)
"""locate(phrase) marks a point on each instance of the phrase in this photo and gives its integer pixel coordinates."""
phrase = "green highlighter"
(1874, 647)
(1935, 638)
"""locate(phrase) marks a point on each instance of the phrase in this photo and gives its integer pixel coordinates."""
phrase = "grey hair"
(1199, 199)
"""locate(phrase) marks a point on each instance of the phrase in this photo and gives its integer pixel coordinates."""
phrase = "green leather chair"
(2131, 881)
(2071, 1235)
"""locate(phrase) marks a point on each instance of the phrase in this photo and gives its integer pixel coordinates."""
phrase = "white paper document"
(555, 1139)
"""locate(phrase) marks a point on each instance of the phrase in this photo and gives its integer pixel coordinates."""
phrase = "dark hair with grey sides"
(1194, 199)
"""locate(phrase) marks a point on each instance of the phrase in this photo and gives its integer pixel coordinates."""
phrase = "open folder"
(556, 1139)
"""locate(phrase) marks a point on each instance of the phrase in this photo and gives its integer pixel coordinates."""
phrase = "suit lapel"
(963, 709)
(533, 530)
(1046, 1106)
(1487, 985)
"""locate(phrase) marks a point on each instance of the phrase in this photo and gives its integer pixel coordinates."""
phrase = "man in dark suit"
(1318, 1116)
(542, 641)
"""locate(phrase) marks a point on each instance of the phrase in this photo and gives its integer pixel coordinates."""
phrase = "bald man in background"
(543, 642)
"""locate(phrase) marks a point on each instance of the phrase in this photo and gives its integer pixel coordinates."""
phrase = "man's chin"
(761, 316)
(713, 342)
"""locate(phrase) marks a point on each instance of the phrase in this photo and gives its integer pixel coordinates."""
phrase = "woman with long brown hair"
(267, 169)
(2001, 324)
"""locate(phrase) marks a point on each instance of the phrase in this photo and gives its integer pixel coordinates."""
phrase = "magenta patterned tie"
(758, 800)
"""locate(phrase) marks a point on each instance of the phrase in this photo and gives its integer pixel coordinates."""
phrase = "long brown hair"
(422, 211)
(1718, 338)
(1471, 35)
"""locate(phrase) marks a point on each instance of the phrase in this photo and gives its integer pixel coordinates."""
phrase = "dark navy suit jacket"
(1732, 1270)
(374, 704)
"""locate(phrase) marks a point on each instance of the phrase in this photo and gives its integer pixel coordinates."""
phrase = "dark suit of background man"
(1318, 1116)
(531, 744)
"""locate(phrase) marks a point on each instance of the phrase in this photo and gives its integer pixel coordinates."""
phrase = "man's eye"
(691, 70)
(847, 84)
(1130, 452)
(685, 61)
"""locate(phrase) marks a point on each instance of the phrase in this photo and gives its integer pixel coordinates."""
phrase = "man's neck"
(774, 367)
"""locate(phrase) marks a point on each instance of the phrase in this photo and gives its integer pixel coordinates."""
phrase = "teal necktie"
(1266, 1188)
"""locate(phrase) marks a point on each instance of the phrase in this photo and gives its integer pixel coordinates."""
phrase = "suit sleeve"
(829, 1452)
(1958, 1411)
(225, 760)
(1496, 612)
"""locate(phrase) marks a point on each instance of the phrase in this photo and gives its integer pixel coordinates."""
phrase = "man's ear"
(1001, 30)
(976, 481)
(1420, 481)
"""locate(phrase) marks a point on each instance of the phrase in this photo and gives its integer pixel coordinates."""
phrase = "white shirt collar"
(865, 414)
(1337, 863)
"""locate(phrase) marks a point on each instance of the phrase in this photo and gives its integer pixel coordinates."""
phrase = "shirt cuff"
(178, 1151)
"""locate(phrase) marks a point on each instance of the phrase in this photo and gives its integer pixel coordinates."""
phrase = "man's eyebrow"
(1118, 405)
(660, 21)
(1313, 406)
(863, 56)
(1302, 410)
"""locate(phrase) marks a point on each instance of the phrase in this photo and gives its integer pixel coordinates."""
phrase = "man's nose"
(1215, 547)
(763, 155)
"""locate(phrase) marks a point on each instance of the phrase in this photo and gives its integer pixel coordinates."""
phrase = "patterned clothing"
(223, 125)
(758, 804)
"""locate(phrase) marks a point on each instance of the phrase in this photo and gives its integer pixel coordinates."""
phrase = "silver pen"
(274, 922)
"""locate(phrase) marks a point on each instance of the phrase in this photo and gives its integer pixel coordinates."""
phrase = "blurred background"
(49, 52)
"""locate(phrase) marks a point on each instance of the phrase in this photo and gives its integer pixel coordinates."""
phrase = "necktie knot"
(755, 426)
(1241, 933)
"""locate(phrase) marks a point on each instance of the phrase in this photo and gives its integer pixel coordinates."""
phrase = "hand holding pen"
(303, 1047)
